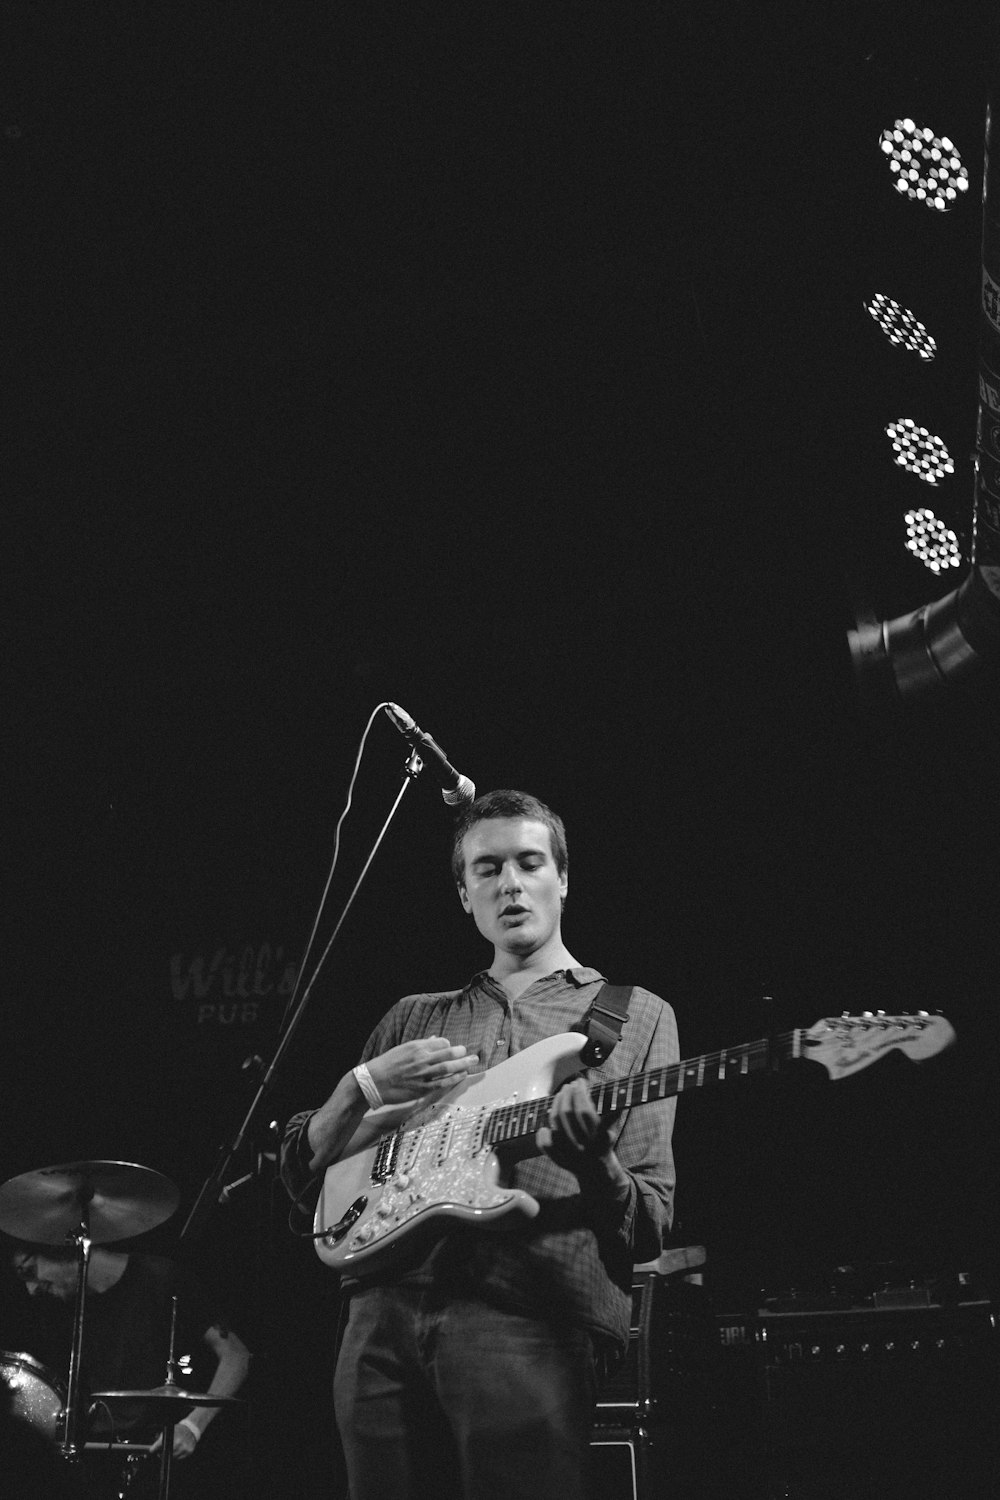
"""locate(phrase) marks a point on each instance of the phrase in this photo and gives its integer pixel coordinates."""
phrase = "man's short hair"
(508, 804)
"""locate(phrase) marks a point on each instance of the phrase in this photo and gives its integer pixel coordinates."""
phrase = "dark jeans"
(460, 1399)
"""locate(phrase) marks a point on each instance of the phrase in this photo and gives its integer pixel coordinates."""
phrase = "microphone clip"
(455, 788)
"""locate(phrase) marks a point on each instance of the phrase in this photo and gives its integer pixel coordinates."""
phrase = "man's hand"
(417, 1070)
(184, 1445)
(576, 1137)
(413, 1072)
(185, 1442)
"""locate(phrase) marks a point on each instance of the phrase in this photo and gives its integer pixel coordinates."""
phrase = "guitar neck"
(513, 1122)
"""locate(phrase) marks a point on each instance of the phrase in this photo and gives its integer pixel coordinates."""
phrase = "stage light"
(918, 451)
(931, 541)
(950, 640)
(955, 639)
(901, 327)
(927, 168)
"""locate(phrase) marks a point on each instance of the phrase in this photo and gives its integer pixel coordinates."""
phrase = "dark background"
(509, 363)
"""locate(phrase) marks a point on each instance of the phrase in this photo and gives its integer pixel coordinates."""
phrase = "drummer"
(126, 1335)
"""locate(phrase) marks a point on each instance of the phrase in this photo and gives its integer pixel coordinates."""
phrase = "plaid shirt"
(574, 1261)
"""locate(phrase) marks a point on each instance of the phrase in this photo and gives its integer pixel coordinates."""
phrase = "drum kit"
(82, 1204)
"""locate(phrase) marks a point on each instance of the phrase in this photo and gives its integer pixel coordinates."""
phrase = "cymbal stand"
(167, 1455)
(81, 1236)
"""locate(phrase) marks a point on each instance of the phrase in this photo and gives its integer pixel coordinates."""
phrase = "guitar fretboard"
(512, 1122)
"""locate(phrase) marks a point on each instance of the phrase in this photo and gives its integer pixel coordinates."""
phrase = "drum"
(36, 1396)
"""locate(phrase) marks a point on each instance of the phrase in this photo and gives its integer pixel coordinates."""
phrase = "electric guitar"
(409, 1165)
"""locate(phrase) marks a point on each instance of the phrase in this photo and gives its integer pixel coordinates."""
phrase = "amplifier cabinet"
(650, 1408)
(863, 1403)
(669, 1354)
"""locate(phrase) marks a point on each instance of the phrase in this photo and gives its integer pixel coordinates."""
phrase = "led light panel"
(931, 541)
(901, 327)
(919, 452)
(926, 167)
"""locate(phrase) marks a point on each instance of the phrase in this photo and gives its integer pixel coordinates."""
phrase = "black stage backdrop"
(508, 363)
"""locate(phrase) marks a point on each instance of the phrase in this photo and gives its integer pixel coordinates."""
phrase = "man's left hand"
(576, 1137)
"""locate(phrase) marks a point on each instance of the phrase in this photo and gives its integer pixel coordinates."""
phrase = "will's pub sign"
(232, 985)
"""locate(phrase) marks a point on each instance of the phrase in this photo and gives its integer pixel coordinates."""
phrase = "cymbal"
(168, 1402)
(120, 1199)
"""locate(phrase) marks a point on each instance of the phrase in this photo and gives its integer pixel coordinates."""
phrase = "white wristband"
(194, 1431)
(367, 1085)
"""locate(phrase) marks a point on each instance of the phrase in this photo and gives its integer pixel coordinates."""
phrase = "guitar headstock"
(846, 1044)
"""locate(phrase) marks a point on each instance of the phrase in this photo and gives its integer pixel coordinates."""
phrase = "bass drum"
(36, 1397)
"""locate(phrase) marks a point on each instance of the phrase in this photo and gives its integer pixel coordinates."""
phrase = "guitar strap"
(602, 1025)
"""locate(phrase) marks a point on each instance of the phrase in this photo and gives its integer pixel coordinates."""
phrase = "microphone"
(455, 788)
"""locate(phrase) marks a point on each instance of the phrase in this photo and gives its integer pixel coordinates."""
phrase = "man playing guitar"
(471, 1346)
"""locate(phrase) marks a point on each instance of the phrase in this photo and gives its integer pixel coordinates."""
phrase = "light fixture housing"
(942, 643)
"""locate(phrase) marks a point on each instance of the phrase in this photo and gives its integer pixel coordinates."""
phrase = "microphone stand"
(208, 1197)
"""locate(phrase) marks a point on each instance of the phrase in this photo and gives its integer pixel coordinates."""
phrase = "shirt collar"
(577, 977)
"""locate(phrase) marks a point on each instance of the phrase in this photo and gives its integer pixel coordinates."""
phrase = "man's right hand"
(412, 1072)
(418, 1069)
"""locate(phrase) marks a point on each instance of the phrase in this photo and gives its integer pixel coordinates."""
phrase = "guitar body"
(408, 1166)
